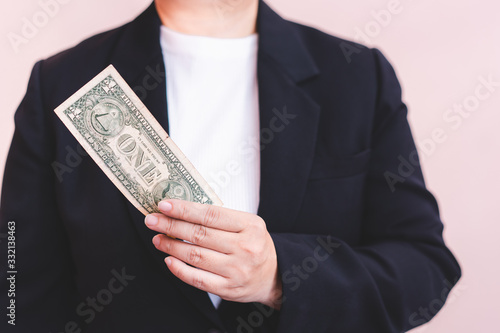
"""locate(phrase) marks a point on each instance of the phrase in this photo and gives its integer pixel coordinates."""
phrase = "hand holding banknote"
(231, 252)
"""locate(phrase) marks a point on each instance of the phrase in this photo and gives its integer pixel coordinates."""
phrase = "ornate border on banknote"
(130, 146)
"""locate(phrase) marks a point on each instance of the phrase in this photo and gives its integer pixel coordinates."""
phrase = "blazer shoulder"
(62, 74)
(325, 47)
(91, 51)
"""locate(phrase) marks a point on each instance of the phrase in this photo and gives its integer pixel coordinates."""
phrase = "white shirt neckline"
(178, 43)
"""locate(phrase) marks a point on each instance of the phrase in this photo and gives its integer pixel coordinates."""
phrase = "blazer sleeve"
(401, 273)
(44, 291)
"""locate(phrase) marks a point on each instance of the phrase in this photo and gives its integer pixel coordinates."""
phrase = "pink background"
(439, 50)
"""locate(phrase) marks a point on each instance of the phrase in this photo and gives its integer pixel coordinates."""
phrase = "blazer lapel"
(288, 119)
(138, 58)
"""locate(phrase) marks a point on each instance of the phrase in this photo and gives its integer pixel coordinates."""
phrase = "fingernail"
(156, 241)
(168, 261)
(165, 206)
(151, 220)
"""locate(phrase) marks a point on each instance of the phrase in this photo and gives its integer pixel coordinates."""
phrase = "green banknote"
(130, 146)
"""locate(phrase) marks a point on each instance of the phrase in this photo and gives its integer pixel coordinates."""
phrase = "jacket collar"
(282, 43)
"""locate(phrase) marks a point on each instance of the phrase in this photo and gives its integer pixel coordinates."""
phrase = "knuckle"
(246, 247)
(194, 255)
(184, 212)
(199, 234)
(254, 257)
(198, 282)
(241, 274)
(237, 292)
(246, 273)
(253, 252)
(211, 216)
(260, 225)
(167, 244)
(256, 228)
(169, 225)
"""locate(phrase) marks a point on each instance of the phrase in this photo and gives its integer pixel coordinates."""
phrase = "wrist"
(275, 295)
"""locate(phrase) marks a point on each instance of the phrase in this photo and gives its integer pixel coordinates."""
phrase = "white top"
(213, 112)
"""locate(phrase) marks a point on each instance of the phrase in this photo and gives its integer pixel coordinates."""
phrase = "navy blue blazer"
(358, 236)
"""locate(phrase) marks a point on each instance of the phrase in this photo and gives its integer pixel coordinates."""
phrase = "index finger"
(208, 215)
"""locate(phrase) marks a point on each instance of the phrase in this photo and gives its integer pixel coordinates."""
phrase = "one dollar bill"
(130, 146)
